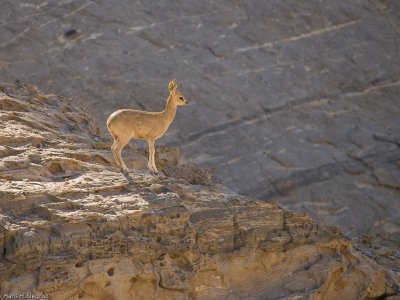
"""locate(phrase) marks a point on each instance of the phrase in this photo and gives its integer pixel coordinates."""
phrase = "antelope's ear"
(172, 85)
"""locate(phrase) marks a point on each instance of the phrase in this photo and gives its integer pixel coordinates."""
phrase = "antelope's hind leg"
(116, 148)
(113, 147)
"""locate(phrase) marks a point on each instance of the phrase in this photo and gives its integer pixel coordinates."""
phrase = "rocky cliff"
(295, 101)
(73, 227)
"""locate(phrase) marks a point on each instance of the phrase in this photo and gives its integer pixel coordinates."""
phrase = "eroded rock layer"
(295, 101)
(73, 227)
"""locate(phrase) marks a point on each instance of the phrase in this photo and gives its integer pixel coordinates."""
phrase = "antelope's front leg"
(151, 164)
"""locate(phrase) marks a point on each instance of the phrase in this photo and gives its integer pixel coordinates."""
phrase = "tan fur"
(125, 124)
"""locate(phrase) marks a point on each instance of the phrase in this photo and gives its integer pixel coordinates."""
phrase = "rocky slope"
(73, 227)
(295, 101)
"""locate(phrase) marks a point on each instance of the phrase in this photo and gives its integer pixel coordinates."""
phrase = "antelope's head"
(175, 94)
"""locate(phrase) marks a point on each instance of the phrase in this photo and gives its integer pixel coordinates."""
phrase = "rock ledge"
(73, 227)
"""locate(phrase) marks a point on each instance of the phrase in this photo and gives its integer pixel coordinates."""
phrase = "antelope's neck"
(169, 111)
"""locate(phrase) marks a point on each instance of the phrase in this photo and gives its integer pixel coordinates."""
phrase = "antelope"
(125, 124)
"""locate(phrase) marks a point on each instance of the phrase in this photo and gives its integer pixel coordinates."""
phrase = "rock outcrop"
(295, 101)
(73, 227)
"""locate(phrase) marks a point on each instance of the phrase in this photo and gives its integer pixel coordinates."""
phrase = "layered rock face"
(295, 101)
(73, 227)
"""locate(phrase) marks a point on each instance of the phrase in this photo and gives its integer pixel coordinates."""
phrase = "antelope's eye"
(181, 98)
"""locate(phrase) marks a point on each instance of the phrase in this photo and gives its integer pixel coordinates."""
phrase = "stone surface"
(73, 227)
(295, 101)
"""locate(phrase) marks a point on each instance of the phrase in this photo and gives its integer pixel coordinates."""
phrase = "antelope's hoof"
(125, 171)
(154, 172)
